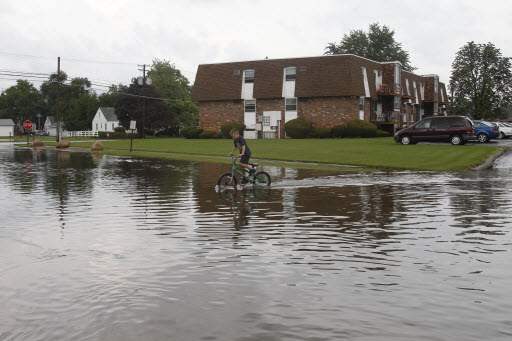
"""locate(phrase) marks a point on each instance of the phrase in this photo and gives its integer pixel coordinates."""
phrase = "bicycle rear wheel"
(226, 181)
(262, 179)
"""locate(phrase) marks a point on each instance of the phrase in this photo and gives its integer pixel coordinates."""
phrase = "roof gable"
(6, 122)
(109, 113)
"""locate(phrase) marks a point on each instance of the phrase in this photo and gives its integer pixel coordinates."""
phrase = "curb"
(489, 163)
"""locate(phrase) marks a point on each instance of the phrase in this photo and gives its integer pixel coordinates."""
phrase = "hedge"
(191, 132)
(298, 128)
(225, 130)
(356, 128)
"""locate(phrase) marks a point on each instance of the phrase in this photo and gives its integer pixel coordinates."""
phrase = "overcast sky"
(34, 33)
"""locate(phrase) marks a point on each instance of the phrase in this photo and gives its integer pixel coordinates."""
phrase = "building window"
(112, 126)
(290, 73)
(249, 76)
(290, 104)
(361, 103)
(250, 105)
(96, 126)
(266, 121)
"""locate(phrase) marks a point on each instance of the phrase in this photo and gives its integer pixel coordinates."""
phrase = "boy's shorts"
(245, 159)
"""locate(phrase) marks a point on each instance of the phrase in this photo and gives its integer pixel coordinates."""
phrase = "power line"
(22, 75)
(25, 72)
(73, 60)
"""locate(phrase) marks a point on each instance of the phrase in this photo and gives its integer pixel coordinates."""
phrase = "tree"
(55, 94)
(109, 98)
(73, 103)
(378, 44)
(174, 86)
(481, 81)
(130, 104)
(20, 102)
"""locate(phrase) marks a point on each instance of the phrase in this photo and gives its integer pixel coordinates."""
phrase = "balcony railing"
(389, 90)
(382, 117)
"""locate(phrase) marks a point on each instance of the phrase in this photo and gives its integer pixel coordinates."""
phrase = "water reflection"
(96, 247)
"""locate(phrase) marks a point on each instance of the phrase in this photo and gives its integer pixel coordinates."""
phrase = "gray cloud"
(201, 31)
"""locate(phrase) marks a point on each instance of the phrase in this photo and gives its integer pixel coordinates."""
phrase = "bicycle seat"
(254, 165)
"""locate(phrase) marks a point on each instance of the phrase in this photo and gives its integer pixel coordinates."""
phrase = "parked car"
(41, 133)
(485, 131)
(454, 129)
(504, 129)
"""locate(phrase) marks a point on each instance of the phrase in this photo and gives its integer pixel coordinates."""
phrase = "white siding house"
(105, 120)
(50, 126)
(6, 127)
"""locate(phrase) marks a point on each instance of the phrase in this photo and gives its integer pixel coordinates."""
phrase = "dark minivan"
(454, 129)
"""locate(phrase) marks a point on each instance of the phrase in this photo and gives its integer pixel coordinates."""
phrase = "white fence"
(83, 133)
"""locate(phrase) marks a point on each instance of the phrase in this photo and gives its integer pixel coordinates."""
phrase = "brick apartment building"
(326, 90)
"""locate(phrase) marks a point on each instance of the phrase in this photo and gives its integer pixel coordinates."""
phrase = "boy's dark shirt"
(239, 142)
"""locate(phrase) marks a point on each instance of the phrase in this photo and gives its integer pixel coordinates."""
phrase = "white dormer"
(248, 84)
(414, 86)
(378, 80)
(289, 76)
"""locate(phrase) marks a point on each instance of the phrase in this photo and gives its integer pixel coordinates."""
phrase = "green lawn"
(373, 153)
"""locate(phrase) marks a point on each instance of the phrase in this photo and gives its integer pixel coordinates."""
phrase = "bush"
(97, 146)
(355, 128)
(226, 129)
(63, 144)
(37, 144)
(208, 134)
(191, 132)
(382, 133)
(338, 131)
(113, 135)
(321, 133)
(298, 128)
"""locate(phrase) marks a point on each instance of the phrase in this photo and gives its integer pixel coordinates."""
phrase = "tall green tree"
(378, 44)
(20, 102)
(481, 81)
(56, 95)
(73, 102)
(172, 85)
(109, 98)
(142, 104)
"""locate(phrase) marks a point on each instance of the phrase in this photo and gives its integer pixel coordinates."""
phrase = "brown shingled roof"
(324, 76)
(338, 75)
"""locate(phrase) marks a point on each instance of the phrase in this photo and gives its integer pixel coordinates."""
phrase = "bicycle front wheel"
(262, 179)
(226, 181)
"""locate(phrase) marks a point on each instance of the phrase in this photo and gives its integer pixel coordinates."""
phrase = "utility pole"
(143, 82)
(57, 116)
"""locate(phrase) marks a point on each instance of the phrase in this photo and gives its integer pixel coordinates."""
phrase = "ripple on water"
(125, 249)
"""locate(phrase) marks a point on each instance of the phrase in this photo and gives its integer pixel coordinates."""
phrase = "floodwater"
(108, 248)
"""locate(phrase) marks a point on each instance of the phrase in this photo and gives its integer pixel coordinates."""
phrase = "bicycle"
(238, 174)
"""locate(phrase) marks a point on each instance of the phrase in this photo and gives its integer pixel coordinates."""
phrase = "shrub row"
(113, 135)
(297, 129)
(300, 128)
(198, 133)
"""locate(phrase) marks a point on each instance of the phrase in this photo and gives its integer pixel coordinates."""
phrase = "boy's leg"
(244, 162)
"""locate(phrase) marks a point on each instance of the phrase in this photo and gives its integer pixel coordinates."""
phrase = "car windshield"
(489, 124)
(425, 124)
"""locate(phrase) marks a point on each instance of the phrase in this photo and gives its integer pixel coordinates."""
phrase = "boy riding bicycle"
(243, 151)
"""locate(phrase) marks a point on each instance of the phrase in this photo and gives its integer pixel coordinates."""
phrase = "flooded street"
(109, 248)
